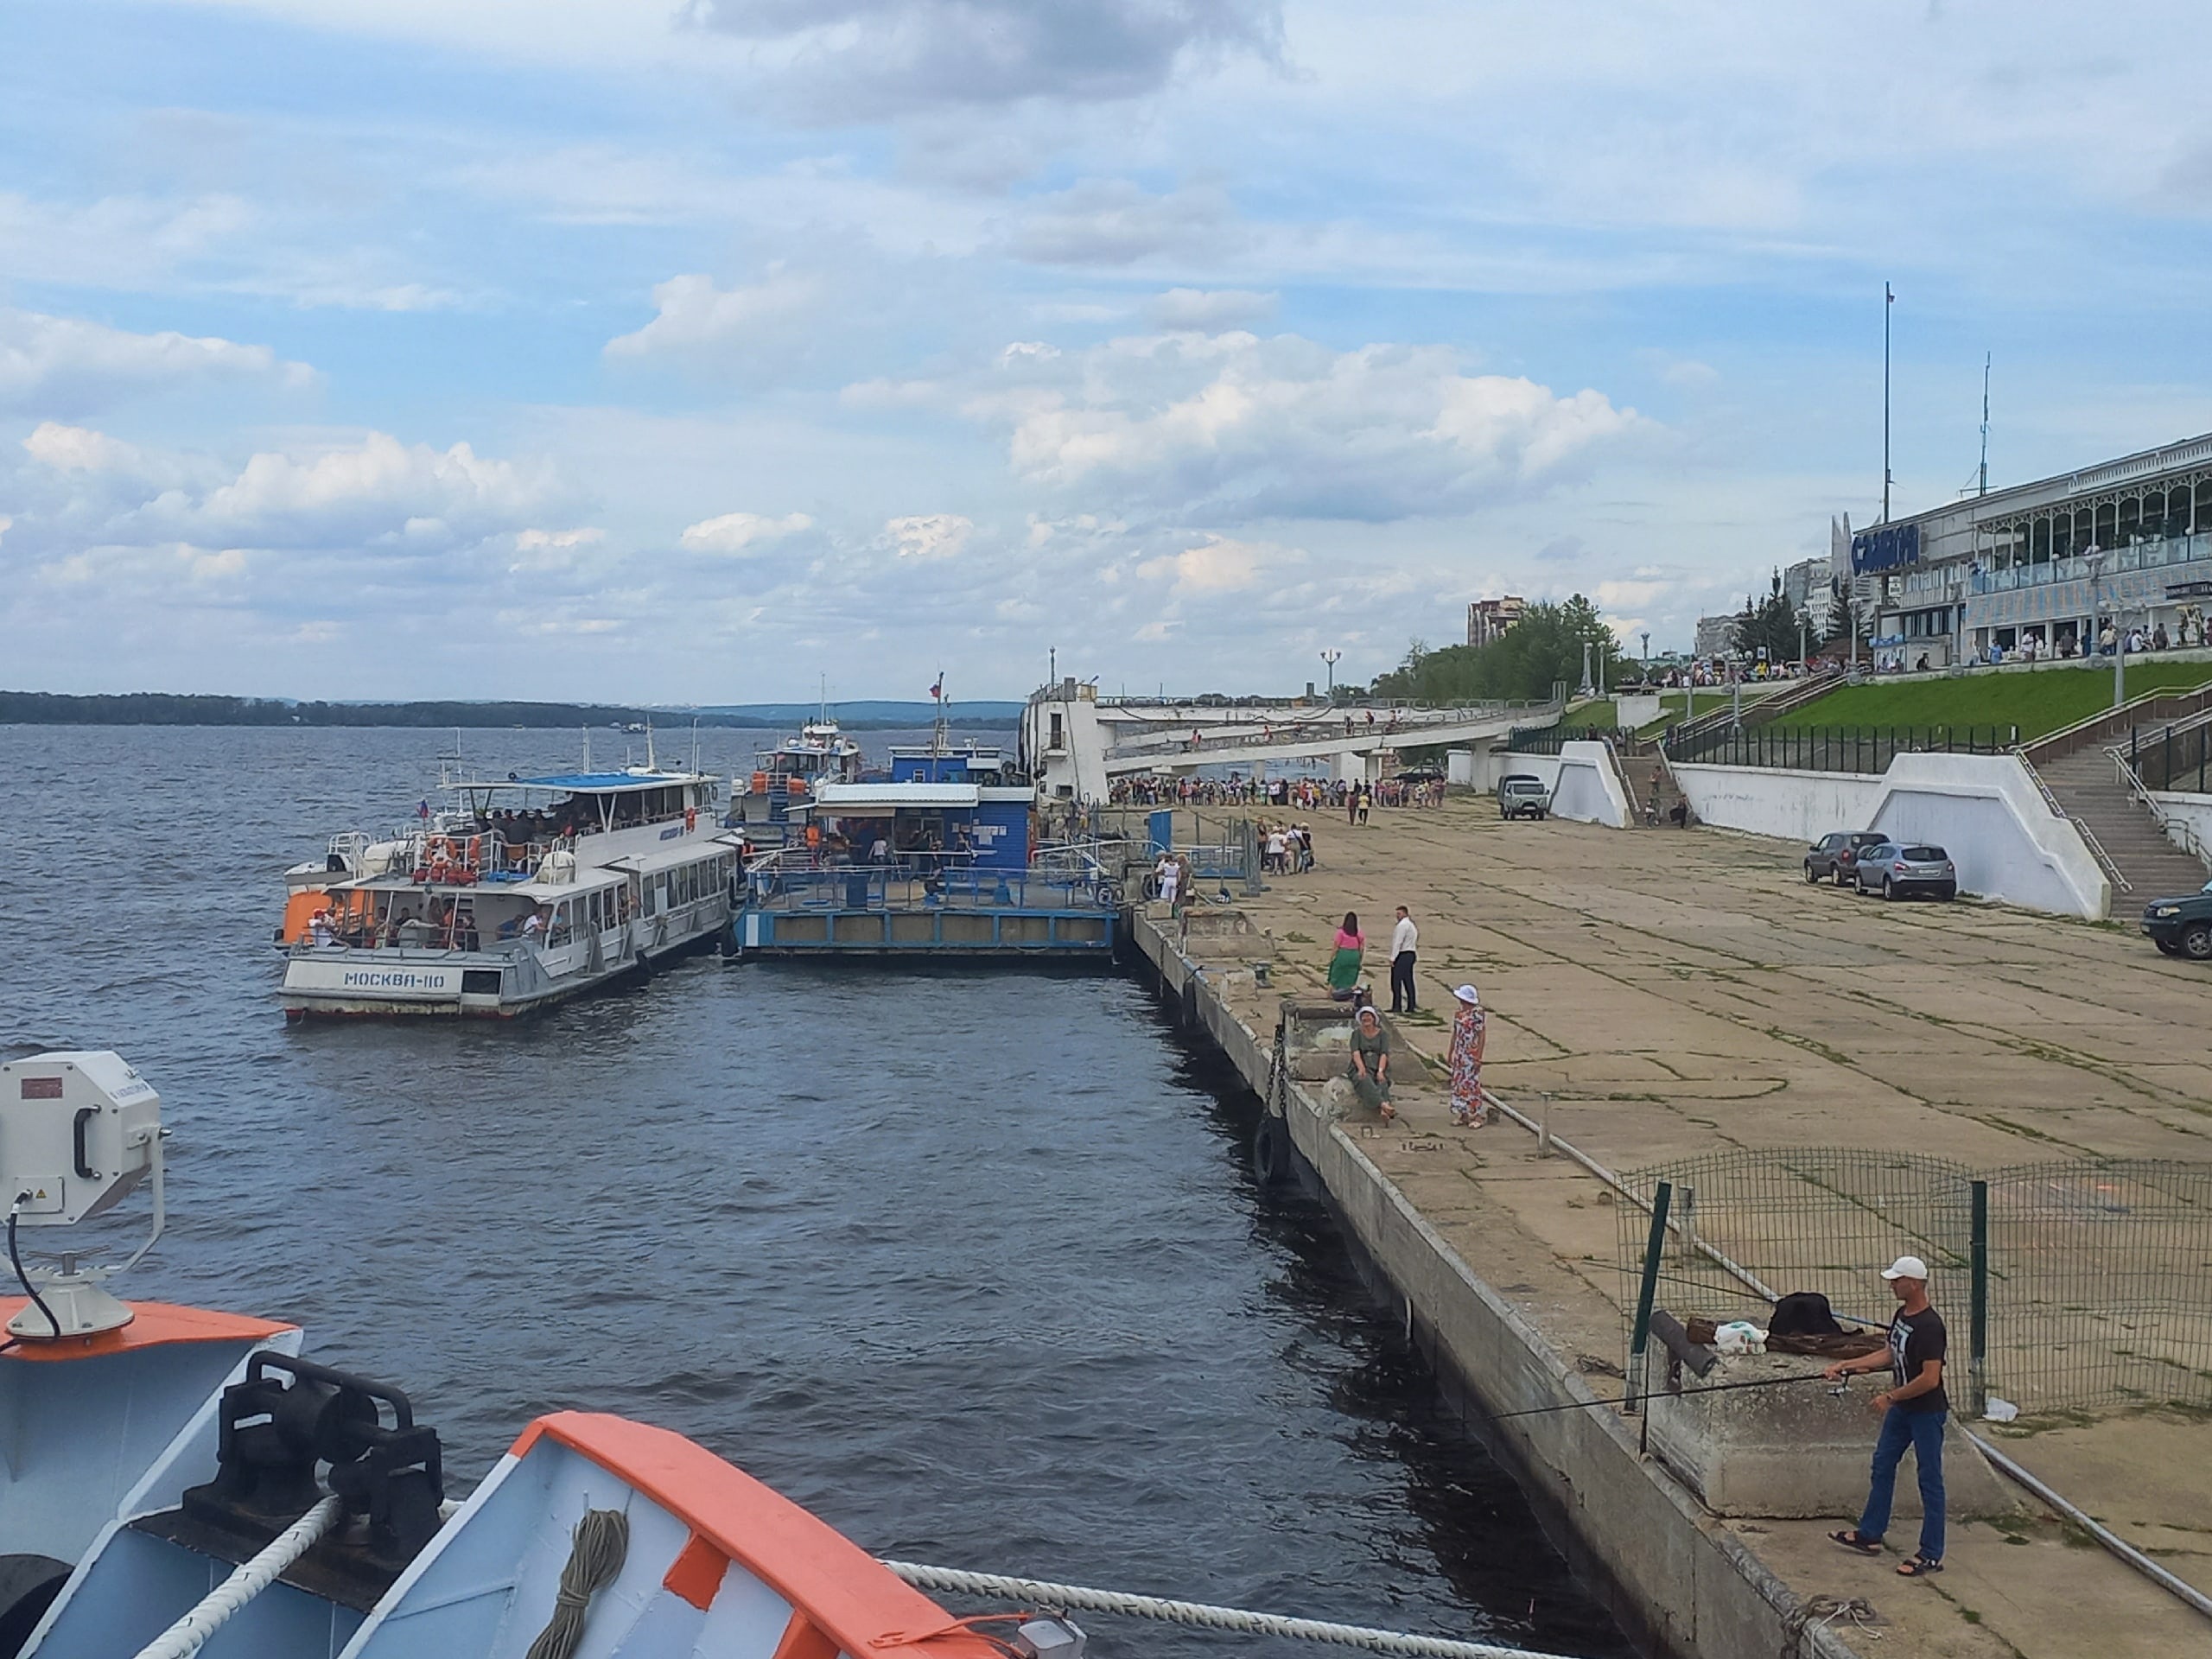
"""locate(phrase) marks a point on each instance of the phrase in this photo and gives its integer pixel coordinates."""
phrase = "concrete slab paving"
(1682, 992)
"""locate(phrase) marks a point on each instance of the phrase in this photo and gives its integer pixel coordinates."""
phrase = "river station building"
(2040, 567)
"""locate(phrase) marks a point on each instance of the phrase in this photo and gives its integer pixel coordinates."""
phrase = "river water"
(967, 1263)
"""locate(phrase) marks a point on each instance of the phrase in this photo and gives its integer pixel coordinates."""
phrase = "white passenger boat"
(514, 894)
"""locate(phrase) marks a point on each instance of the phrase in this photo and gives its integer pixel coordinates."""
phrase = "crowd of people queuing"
(1303, 794)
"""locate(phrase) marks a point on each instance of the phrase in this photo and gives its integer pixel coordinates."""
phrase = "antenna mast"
(1985, 359)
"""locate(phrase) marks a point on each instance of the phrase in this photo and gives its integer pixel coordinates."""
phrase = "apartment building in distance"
(1487, 619)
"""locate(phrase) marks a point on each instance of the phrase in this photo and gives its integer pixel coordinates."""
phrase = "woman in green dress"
(1344, 967)
(1370, 1063)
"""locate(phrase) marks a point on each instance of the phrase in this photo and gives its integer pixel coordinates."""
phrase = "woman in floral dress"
(1467, 1060)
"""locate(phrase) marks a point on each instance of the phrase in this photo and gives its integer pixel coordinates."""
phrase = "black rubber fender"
(1274, 1158)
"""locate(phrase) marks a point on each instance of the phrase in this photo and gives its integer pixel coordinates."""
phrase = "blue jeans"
(1924, 1431)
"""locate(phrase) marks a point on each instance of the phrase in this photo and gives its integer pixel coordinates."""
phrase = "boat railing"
(925, 881)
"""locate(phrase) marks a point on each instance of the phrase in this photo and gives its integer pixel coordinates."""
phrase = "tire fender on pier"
(1274, 1158)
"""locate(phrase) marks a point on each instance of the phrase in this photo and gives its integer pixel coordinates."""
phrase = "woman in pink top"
(1344, 967)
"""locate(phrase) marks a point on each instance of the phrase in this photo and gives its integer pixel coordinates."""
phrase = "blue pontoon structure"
(938, 860)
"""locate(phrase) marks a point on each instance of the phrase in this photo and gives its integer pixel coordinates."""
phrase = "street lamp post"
(1333, 656)
(2095, 560)
(1646, 656)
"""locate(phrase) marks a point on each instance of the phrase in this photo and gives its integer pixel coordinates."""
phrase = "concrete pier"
(1676, 993)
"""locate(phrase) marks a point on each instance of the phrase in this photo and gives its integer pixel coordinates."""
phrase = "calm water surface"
(968, 1263)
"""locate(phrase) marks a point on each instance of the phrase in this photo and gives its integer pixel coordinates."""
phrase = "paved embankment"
(1679, 994)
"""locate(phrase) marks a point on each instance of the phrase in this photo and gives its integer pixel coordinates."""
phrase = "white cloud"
(6, 524)
(929, 535)
(694, 316)
(1217, 565)
(1114, 222)
(379, 490)
(742, 532)
(80, 450)
(117, 241)
(561, 541)
(66, 365)
(1210, 310)
(866, 59)
(1231, 427)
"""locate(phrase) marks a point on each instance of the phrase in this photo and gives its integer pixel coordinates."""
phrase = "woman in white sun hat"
(1468, 1029)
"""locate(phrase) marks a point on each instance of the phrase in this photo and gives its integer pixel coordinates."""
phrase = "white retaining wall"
(1984, 809)
(2186, 813)
(1584, 785)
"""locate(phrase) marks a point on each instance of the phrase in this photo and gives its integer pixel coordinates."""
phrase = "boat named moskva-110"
(517, 893)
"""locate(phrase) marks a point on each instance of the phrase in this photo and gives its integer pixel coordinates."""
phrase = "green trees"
(1544, 647)
(1771, 623)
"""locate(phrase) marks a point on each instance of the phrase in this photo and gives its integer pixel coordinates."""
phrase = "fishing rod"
(1837, 1389)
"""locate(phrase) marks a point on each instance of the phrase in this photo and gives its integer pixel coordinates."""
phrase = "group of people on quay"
(1368, 1065)
(1299, 794)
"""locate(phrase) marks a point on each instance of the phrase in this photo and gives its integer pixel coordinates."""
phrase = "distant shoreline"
(176, 709)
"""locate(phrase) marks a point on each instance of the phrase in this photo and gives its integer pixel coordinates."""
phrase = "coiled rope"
(1197, 1614)
(599, 1546)
(187, 1636)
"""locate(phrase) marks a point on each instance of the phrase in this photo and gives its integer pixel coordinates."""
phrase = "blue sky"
(687, 352)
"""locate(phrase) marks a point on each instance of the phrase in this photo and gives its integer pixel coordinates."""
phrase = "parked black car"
(1832, 855)
(2181, 926)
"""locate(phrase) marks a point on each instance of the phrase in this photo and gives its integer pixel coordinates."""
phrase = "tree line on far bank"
(173, 708)
(1545, 646)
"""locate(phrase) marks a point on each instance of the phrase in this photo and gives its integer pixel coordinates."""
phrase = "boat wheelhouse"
(786, 777)
(518, 892)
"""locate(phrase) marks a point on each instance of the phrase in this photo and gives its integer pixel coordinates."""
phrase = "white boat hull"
(327, 982)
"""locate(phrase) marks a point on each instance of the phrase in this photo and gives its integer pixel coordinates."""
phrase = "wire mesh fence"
(2066, 1286)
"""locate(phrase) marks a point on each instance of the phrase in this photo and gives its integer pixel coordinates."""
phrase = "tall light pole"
(1646, 637)
(1333, 656)
(1888, 300)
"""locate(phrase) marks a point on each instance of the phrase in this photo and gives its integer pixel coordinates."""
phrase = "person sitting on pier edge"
(1370, 1071)
(1469, 1029)
(1344, 966)
(1913, 1412)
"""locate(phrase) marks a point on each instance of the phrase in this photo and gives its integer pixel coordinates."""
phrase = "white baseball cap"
(1906, 1267)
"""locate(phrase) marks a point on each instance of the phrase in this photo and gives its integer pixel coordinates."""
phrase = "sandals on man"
(1919, 1566)
(1857, 1544)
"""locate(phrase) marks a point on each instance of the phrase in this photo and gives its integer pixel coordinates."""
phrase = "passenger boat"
(788, 776)
(179, 1481)
(516, 894)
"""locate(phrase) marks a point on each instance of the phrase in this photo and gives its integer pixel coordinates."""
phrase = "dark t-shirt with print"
(1916, 1338)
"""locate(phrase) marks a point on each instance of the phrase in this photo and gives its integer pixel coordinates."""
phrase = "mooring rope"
(214, 1610)
(1040, 1592)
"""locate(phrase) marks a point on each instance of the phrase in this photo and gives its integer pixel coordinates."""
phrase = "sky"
(706, 350)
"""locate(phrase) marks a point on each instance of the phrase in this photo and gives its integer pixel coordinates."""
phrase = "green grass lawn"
(2036, 702)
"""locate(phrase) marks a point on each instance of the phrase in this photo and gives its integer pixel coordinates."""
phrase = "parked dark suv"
(2182, 926)
(1832, 855)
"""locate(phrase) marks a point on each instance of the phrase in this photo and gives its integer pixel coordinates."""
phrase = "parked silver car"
(1899, 870)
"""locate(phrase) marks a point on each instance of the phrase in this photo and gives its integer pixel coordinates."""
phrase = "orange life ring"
(690, 818)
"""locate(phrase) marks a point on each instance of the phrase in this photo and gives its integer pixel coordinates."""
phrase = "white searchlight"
(79, 1131)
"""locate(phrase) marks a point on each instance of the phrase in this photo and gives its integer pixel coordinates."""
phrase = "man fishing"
(1913, 1413)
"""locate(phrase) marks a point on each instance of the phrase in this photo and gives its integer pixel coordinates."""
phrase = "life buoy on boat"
(690, 819)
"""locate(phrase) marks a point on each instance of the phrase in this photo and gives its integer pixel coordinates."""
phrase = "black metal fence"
(2066, 1286)
(1547, 740)
(2178, 756)
(1833, 748)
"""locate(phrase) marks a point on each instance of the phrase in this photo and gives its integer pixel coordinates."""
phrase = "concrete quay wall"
(1679, 1583)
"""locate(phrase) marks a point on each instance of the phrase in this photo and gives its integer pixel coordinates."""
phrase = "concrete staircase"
(2089, 789)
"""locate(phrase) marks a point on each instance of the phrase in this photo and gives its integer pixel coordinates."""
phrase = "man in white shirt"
(1403, 937)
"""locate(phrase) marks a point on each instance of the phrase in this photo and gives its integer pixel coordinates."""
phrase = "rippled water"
(967, 1263)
